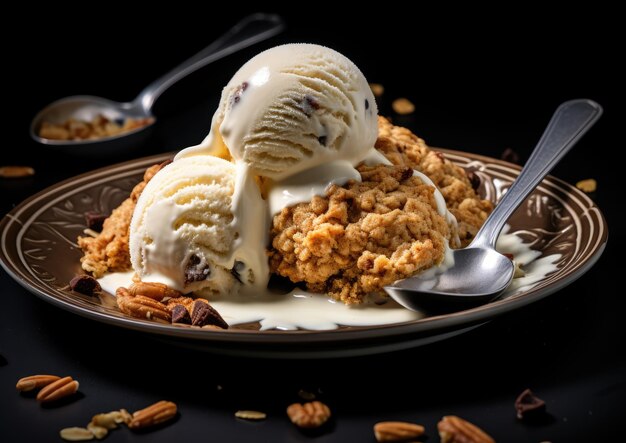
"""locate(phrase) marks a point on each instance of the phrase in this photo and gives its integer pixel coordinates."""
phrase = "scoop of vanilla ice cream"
(291, 108)
(182, 230)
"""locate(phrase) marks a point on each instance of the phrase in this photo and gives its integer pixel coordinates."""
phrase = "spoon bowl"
(478, 273)
(250, 30)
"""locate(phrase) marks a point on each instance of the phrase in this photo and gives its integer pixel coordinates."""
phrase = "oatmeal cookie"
(404, 148)
(109, 250)
(360, 236)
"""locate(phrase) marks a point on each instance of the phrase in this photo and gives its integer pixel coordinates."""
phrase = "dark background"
(481, 81)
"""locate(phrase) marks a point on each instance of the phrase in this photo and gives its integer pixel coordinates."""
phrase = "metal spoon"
(480, 273)
(250, 30)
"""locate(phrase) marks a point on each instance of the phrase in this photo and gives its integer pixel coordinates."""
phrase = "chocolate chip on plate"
(528, 405)
(85, 284)
(474, 179)
(180, 315)
(95, 220)
(203, 314)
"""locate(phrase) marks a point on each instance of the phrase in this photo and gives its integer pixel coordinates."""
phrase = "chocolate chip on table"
(509, 155)
(203, 314)
(197, 269)
(85, 284)
(180, 315)
(474, 179)
(95, 220)
(528, 405)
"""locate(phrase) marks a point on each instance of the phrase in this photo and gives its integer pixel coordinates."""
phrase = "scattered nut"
(203, 314)
(108, 420)
(31, 382)
(509, 155)
(57, 390)
(76, 434)
(453, 429)
(98, 431)
(308, 415)
(588, 186)
(153, 415)
(528, 405)
(155, 291)
(85, 284)
(16, 171)
(306, 395)
(403, 106)
(251, 415)
(377, 89)
(397, 431)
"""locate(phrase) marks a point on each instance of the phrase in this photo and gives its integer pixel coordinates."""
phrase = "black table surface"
(477, 86)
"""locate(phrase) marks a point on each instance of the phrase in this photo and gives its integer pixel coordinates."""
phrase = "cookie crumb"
(589, 185)
(403, 106)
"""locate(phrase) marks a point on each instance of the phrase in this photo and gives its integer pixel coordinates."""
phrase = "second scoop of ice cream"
(183, 231)
(291, 108)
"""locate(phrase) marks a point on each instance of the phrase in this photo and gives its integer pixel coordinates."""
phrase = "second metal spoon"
(480, 273)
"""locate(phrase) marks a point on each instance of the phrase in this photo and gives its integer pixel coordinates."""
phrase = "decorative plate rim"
(427, 326)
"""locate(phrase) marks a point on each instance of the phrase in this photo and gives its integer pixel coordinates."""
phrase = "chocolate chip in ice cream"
(197, 269)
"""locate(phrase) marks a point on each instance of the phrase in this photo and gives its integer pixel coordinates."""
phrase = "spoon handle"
(568, 124)
(252, 29)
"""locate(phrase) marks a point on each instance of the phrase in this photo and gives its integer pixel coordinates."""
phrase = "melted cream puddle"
(300, 309)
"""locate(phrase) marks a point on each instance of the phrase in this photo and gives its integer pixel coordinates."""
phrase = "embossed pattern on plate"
(38, 249)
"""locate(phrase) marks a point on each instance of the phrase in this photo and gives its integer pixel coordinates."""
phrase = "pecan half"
(31, 382)
(57, 390)
(153, 415)
(453, 429)
(397, 431)
(141, 306)
(308, 415)
(155, 291)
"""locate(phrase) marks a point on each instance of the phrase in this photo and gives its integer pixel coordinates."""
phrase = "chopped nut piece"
(153, 415)
(76, 434)
(107, 420)
(308, 415)
(31, 382)
(528, 405)
(203, 314)
(397, 431)
(453, 429)
(16, 171)
(85, 284)
(98, 431)
(57, 390)
(377, 89)
(403, 106)
(589, 185)
(251, 415)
